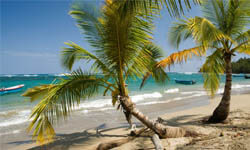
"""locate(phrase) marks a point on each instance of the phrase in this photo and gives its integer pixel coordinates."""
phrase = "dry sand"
(234, 135)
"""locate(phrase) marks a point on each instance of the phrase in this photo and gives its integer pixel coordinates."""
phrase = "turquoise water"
(16, 100)
(15, 109)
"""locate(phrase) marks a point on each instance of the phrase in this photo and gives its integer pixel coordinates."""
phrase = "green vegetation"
(122, 48)
(241, 66)
(120, 33)
(223, 29)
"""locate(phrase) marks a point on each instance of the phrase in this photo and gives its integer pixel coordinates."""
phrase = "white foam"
(220, 91)
(175, 90)
(9, 75)
(178, 98)
(25, 112)
(13, 121)
(155, 102)
(62, 74)
(234, 87)
(138, 98)
(105, 104)
(95, 103)
(12, 132)
(30, 75)
(85, 111)
(239, 86)
(21, 117)
(193, 92)
(188, 73)
(198, 94)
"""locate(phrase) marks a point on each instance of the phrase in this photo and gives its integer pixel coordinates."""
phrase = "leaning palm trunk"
(161, 130)
(221, 113)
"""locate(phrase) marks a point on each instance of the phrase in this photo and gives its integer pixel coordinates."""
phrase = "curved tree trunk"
(161, 130)
(221, 112)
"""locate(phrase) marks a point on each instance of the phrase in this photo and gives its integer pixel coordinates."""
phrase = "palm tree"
(174, 8)
(122, 49)
(223, 29)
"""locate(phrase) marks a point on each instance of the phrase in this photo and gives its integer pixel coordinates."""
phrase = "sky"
(33, 33)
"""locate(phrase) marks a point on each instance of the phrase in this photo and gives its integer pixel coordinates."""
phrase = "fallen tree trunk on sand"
(157, 142)
(162, 130)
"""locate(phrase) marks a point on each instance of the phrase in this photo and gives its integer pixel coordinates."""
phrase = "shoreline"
(200, 110)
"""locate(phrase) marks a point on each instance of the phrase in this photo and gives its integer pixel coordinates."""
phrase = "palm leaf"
(157, 73)
(174, 8)
(229, 16)
(245, 49)
(212, 69)
(200, 29)
(60, 100)
(37, 92)
(87, 17)
(182, 56)
(124, 39)
(76, 53)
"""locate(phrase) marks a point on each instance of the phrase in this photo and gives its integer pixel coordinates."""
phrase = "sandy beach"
(221, 136)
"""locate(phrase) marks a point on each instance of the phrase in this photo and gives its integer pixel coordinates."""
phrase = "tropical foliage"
(241, 66)
(224, 31)
(174, 8)
(122, 48)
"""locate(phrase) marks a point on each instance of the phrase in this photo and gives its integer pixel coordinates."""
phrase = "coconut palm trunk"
(162, 130)
(221, 112)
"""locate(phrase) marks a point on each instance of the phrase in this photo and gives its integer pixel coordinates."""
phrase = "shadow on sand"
(65, 141)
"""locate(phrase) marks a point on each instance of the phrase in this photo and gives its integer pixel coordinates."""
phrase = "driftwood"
(157, 142)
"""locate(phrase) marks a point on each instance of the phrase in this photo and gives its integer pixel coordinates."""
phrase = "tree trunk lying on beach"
(221, 112)
(162, 130)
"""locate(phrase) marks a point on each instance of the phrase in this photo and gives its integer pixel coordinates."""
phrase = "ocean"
(15, 109)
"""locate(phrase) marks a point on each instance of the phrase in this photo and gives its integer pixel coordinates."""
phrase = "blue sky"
(34, 31)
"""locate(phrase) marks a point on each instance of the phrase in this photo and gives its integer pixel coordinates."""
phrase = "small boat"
(247, 77)
(186, 82)
(12, 89)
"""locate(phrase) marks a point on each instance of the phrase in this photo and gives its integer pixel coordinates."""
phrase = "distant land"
(241, 66)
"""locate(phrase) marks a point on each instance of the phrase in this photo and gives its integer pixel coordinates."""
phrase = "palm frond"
(37, 92)
(124, 38)
(242, 37)
(181, 56)
(60, 100)
(212, 69)
(87, 17)
(200, 29)
(174, 8)
(229, 16)
(245, 49)
(76, 53)
(147, 55)
(157, 73)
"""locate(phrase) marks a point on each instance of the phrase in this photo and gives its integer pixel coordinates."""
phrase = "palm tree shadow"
(182, 120)
(65, 141)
